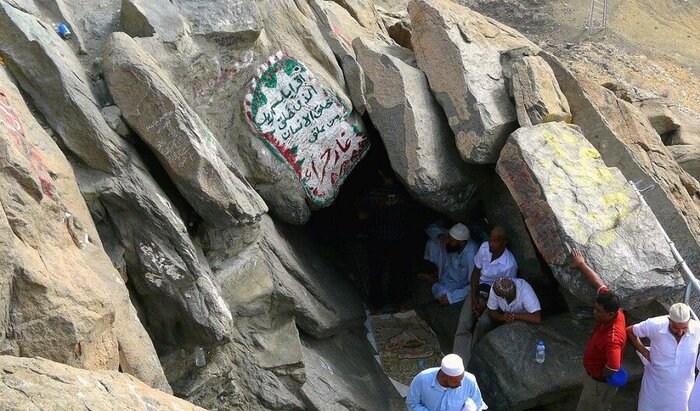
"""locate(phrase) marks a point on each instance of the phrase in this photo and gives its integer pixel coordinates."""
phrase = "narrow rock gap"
(187, 213)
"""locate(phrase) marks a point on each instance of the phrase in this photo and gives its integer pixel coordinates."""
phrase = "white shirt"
(503, 266)
(694, 401)
(525, 301)
(426, 393)
(668, 378)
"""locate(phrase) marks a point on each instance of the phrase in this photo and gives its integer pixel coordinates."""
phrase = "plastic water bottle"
(199, 359)
(63, 31)
(539, 352)
(421, 364)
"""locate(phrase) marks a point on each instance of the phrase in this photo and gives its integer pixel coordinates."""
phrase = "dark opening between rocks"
(338, 227)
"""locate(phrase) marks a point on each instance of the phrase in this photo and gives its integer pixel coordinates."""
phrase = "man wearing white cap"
(453, 253)
(668, 377)
(445, 388)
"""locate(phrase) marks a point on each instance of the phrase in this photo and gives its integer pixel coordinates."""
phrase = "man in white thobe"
(453, 253)
(694, 401)
(668, 378)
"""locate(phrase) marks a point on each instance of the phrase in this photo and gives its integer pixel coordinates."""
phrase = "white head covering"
(679, 313)
(452, 365)
(459, 232)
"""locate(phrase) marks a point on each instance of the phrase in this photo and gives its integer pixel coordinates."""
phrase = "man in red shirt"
(602, 356)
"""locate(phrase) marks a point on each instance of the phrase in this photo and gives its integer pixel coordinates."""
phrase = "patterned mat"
(406, 345)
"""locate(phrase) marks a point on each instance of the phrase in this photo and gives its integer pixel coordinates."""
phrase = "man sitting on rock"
(453, 253)
(492, 261)
(510, 299)
(447, 388)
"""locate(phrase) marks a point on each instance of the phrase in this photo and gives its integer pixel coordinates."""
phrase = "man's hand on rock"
(508, 317)
(443, 300)
(577, 260)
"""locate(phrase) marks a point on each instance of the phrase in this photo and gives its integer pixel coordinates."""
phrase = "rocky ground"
(165, 169)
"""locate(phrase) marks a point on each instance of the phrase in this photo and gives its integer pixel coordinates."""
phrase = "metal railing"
(597, 16)
(692, 283)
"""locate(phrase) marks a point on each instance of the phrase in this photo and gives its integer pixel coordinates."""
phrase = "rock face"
(626, 140)
(688, 157)
(570, 199)
(420, 145)
(190, 153)
(336, 365)
(273, 285)
(144, 18)
(538, 98)
(302, 278)
(59, 294)
(161, 258)
(459, 51)
(39, 384)
(237, 20)
(507, 353)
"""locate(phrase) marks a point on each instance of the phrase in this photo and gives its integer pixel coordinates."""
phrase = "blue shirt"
(454, 269)
(426, 393)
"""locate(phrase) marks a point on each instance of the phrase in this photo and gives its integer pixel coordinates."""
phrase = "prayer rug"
(406, 345)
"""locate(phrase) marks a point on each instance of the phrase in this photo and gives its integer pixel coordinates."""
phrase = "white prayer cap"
(452, 365)
(459, 232)
(679, 313)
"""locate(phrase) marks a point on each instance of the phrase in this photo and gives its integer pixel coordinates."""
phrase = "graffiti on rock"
(306, 125)
(9, 117)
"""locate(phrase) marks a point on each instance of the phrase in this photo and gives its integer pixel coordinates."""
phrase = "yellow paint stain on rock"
(588, 153)
(606, 238)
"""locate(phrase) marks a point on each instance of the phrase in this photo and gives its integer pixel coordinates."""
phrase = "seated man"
(453, 253)
(510, 299)
(447, 388)
(492, 261)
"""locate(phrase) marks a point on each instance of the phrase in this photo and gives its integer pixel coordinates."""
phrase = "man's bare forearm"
(635, 342)
(534, 318)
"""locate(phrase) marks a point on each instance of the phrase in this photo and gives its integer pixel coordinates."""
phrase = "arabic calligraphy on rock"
(306, 125)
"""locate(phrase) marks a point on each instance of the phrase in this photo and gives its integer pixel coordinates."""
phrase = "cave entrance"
(339, 227)
(354, 241)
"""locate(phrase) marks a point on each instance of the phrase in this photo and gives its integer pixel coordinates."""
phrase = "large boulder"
(460, 50)
(163, 265)
(214, 75)
(190, 153)
(40, 384)
(538, 98)
(510, 379)
(626, 140)
(141, 18)
(60, 296)
(340, 29)
(419, 143)
(571, 199)
(226, 22)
